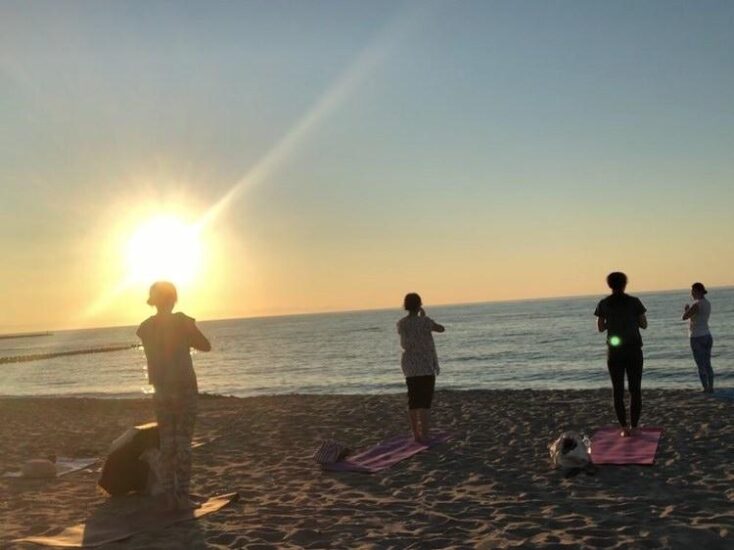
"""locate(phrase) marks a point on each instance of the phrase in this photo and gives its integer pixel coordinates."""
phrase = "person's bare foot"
(625, 432)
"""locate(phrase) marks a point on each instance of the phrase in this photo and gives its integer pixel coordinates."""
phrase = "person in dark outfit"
(622, 316)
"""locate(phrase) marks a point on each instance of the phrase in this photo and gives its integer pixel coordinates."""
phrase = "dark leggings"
(629, 361)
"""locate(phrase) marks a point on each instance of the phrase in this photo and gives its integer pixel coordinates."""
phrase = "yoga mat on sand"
(64, 466)
(96, 532)
(385, 454)
(608, 447)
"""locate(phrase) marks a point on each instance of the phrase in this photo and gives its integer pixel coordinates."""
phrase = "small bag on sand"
(570, 450)
(330, 451)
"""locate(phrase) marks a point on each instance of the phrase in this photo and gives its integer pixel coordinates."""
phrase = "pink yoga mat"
(384, 454)
(608, 447)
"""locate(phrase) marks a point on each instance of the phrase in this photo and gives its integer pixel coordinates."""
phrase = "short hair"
(412, 302)
(617, 280)
(162, 293)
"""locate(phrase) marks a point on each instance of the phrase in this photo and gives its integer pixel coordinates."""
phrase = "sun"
(164, 248)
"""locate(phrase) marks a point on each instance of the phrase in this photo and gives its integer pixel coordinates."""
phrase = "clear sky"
(339, 154)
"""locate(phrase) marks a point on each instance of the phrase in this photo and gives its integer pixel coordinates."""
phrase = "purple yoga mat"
(385, 454)
(608, 447)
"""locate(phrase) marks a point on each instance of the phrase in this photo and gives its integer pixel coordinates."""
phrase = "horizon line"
(338, 311)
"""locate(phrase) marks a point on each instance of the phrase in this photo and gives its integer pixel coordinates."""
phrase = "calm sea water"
(537, 344)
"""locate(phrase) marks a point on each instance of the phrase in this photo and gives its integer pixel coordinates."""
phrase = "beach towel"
(110, 528)
(608, 447)
(64, 466)
(383, 455)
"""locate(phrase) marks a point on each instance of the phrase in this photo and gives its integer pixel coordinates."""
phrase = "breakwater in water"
(51, 355)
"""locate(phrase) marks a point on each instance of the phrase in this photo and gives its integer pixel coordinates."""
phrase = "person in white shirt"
(419, 363)
(697, 316)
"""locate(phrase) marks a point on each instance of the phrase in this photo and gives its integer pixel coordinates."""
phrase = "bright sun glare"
(164, 248)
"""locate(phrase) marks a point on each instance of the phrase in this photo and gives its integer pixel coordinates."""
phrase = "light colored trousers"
(176, 415)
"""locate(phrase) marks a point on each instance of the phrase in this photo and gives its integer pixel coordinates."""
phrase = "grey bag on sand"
(330, 451)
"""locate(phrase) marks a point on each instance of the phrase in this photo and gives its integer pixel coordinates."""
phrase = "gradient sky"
(471, 151)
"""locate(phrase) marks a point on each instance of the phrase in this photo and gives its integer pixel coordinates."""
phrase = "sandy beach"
(490, 486)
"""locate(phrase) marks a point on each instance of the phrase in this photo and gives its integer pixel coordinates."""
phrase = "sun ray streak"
(407, 20)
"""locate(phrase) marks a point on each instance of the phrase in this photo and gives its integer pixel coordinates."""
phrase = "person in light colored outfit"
(419, 363)
(701, 340)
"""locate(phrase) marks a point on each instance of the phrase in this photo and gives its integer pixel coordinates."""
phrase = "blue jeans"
(701, 347)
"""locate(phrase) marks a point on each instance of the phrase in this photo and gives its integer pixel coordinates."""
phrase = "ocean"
(539, 344)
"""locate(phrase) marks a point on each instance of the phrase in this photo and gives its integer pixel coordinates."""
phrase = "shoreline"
(692, 390)
(490, 486)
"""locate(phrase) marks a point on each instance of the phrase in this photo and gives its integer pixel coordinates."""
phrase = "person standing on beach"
(697, 316)
(622, 316)
(419, 363)
(167, 340)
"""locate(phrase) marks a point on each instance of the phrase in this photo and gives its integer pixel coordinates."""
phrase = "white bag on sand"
(570, 450)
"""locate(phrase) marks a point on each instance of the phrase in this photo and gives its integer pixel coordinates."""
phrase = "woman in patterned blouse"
(419, 363)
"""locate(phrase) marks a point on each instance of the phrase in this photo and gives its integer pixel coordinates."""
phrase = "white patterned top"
(419, 351)
(698, 324)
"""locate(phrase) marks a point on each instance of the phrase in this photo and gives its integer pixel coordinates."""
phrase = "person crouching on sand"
(167, 340)
(697, 316)
(622, 316)
(419, 363)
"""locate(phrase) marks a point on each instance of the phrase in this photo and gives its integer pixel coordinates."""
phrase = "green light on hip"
(615, 341)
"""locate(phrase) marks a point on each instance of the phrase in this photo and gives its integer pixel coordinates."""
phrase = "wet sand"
(490, 486)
